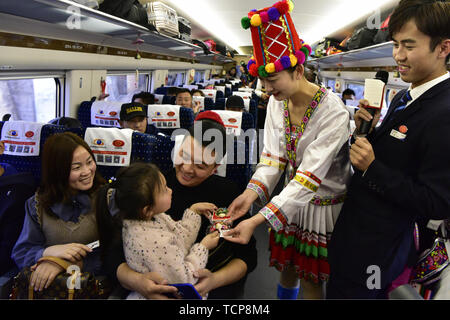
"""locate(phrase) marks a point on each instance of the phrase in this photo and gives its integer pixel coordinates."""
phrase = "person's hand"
(242, 233)
(153, 286)
(44, 274)
(72, 252)
(2, 147)
(204, 208)
(361, 154)
(363, 114)
(206, 281)
(241, 205)
(211, 240)
(196, 106)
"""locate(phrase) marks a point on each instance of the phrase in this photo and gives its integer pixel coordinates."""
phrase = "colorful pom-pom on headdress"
(276, 44)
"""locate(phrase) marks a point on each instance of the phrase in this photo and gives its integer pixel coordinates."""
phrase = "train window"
(358, 88)
(331, 83)
(175, 79)
(122, 87)
(199, 76)
(30, 99)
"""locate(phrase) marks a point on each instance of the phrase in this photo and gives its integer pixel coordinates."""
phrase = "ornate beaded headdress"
(276, 45)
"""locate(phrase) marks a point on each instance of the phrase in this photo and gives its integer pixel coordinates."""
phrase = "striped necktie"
(400, 105)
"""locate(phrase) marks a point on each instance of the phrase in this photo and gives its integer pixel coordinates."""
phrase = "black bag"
(222, 49)
(131, 10)
(361, 38)
(383, 34)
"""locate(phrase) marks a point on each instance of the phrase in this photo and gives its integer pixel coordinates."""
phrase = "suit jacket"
(409, 178)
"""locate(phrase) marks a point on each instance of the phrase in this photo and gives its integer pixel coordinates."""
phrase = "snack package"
(220, 221)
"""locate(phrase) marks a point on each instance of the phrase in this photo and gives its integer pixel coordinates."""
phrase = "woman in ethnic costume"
(306, 136)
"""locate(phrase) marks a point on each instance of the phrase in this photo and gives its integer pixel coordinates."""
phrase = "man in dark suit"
(402, 169)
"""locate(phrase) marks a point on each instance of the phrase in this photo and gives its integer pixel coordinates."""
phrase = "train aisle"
(262, 282)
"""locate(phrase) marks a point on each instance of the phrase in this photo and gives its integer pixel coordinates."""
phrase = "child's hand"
(204, 208)
(211, 240)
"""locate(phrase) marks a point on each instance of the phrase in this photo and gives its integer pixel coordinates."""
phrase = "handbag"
(428, 270)
(69, 285)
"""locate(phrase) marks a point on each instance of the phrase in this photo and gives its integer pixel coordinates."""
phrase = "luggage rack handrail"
(57, 12)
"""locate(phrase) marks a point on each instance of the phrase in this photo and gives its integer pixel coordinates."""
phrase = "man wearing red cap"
(306, 136)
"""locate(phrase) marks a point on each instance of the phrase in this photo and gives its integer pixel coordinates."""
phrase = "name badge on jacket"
(398, 135)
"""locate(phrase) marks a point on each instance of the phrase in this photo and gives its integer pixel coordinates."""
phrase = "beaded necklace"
(293, 134)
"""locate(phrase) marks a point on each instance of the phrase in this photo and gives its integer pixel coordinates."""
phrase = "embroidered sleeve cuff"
(308, 180)
(260, 189)
(273, 161)
(274, 216)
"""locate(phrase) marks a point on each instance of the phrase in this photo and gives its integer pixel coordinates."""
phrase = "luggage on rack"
(327, 45)
(361, 38)
(130, 10)
(211, 44)
(222, 49)
(202, 45)
(184, 27)
(382, 35)
(163, 17)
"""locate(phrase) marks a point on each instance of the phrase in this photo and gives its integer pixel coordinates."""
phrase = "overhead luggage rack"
(66, 14)
(376, 55)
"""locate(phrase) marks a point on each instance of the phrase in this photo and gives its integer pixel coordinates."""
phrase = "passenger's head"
(68, 167)
(144, 98)
(232, 72)
(138, 192)
(184, 98)
(197, 93)
(420, 30)
(348, 94)
(202, 150)
(235, 103)
(67, 122)
(133, 116)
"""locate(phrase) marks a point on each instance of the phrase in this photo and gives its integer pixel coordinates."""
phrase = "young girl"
(306, 136)
(152, 241)
(59, 221)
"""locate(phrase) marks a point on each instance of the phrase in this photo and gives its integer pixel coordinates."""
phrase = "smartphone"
(186, 291)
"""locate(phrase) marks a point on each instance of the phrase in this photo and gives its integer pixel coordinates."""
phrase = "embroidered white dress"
(165, 246)
(303, 215)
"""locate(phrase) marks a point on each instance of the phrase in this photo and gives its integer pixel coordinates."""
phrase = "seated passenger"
(59, 221)
(139, 198)
(191, 182)
(68, 122)
(184, 99)
(134, 116)
(235, 103)
(144, 98)
(197, 93)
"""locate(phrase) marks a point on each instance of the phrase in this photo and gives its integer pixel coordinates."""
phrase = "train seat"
(31, 164)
